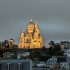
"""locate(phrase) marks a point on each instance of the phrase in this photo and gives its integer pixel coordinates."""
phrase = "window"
(19, 66)
(0, 66)
(8, 66)
(68, 52)
(35, 41)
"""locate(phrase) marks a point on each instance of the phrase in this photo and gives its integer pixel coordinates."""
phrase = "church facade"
(32, 39)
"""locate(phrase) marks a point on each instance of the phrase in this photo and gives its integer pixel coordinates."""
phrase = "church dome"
(11, 39)
(30, 27)
(31, 24)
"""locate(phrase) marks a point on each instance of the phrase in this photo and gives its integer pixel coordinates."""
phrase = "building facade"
(32, 39)
(15, 64)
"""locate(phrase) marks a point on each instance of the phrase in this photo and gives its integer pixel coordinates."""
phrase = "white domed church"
(32, 39)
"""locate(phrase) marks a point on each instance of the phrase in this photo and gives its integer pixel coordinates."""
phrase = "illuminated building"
(32, 38)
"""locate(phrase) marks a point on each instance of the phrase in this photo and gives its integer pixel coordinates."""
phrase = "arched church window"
(28, 47)
(38, 41)
(28, 40)
(35, 41)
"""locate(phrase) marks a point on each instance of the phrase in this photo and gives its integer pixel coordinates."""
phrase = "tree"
(43, 49)
(59, 53)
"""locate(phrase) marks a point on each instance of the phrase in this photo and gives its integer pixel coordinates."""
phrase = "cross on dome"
(31, 19)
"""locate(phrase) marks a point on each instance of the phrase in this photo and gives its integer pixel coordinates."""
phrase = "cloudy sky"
(53, 17)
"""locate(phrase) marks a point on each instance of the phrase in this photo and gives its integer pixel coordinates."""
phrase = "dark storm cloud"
(53, 18)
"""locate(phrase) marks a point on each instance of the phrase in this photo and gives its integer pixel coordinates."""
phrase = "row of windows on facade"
(9, 66)
(41, 69)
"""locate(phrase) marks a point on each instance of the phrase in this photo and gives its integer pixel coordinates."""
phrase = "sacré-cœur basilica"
(32, 39)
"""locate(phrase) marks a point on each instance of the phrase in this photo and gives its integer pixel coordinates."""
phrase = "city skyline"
(53, 19)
